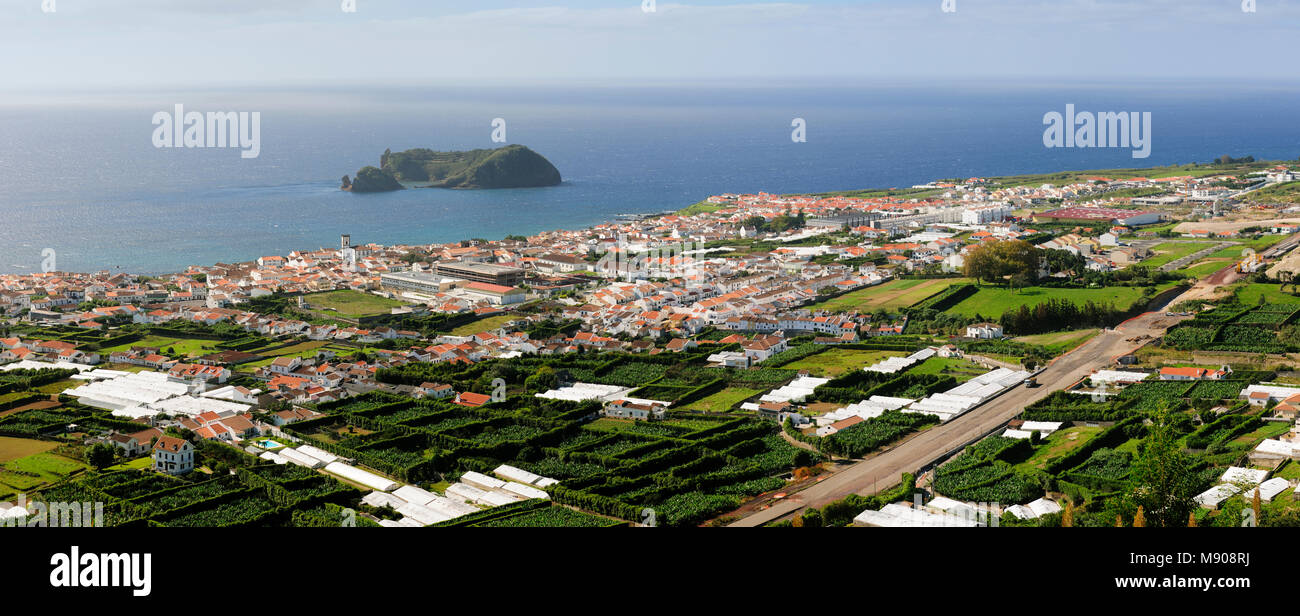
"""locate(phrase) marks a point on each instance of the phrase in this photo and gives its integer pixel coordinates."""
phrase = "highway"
(884, 469)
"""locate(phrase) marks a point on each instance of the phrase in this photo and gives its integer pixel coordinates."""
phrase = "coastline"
(696, 208)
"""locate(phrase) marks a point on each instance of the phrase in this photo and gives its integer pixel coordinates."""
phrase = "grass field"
(57, 387)
(1286, 192)
(702, 207)
(724, 400)
(1250, 293)
(1172, 251)
(1206, 267)
(182, 346)
(1060, 342)
(836, 362)
(483, 325)
(14, 448)
(305, 349)
(34, 471)
(693, 424)
(1272, 429)
(1057, 445)
(991, 302)
(134, 464)
(892, 295)
(351, 304)
(961, 369)
(1233, 253)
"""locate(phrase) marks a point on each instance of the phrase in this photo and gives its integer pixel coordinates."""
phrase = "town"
(1006, 351)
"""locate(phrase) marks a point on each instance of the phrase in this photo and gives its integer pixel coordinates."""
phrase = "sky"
(111, 45)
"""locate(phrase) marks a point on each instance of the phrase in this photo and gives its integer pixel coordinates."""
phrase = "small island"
(512, 166)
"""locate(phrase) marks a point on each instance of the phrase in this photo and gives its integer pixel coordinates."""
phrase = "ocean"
(82, 177)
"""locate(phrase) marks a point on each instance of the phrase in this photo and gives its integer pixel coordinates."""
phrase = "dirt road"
(884, 470)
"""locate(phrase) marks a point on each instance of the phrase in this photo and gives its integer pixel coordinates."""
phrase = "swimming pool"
(267, 443)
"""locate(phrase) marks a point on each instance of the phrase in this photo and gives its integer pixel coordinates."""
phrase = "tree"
(101, 455)
(993, 261)
(1139, 519)
(1067, 519)
(1191, 520)
(1163, 484)
(545, 378)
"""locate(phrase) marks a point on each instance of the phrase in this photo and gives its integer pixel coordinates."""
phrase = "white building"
(984, 330)
(985, 214)
(173, 456)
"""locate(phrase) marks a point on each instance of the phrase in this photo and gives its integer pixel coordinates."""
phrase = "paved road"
(883, 470)
(1178, 264)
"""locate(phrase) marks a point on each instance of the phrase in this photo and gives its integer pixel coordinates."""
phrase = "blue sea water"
(83, 178)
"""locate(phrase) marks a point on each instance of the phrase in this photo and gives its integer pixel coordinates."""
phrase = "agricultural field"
(351, 304)
(836, 362)
(1169, 252)
(991, 302)
(551, 517)
(14, 448)
(724, 400)
(892, 295)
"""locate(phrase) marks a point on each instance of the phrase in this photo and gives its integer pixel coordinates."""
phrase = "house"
(984, 330)
(729, 359)
(469, 398)
(437, 390)
(839, 425)
(1193, 374)
(623, 409)
(128, 444)
(949, 351)
(280, 418)
(173, 456)
(677, 345)
(763, 347)
(1289, 408)
(557, 263)
(772, 410)
(1262, 395)
(285, 365)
